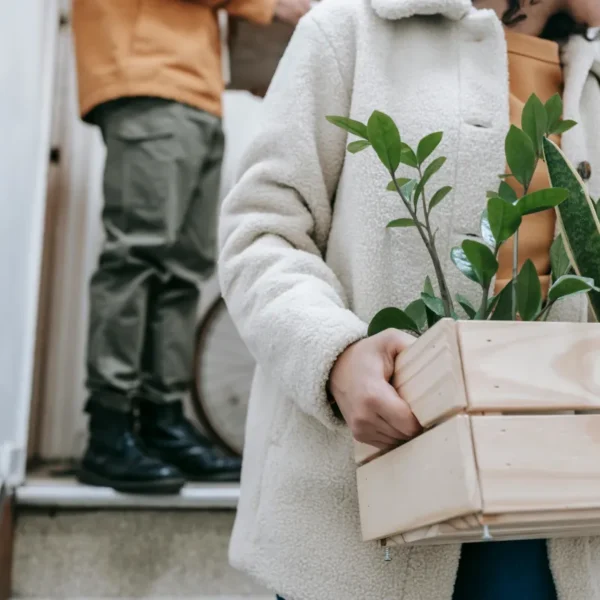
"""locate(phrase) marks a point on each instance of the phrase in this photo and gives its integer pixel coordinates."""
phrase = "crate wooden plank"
(515, 366)
(549, 524)
(431, 479)
(538, 462)
(428, 375)
(363, 453)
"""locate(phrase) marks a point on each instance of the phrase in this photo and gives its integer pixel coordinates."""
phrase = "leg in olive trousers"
(161, 186)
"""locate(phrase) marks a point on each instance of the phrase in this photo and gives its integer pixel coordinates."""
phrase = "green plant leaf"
(434, 304)
(535, 122)
(520, 155)
(439, 196)
(432, 168)
(350, 125)
(385, 139)
(358, 145)
(401, 223)
(427, 145)
(482, 260)
(541, 200)
(559, 259)
(408, 157)
(504, 219)
(579, 222)
(554, 110)
(529, 292)
(486, 230)
(569, 285)
(459, 258)
(492, 194)
(503, 304)
(391, 318)
(401, 181)
(563, 127)
(466, 306)
(428, 287)
(507, 193)
(417, 312)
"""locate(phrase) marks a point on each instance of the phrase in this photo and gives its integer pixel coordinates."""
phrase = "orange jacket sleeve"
(257, 11)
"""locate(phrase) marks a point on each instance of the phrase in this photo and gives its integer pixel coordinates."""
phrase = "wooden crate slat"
(429, 374)
(402, 490)
(549, 524)
(538, 462)
(523, 367)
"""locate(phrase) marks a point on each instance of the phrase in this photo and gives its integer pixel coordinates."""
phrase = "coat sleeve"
(289, 306)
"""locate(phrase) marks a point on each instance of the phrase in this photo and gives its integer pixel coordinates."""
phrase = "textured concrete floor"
(127, 554)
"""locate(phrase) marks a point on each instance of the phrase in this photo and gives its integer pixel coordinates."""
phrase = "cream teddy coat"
(306, 261)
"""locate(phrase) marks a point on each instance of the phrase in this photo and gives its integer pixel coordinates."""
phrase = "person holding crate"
(305, 263)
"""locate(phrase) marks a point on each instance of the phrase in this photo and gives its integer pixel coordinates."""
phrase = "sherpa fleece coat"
(307, 260)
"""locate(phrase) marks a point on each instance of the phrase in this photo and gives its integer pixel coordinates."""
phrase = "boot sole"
(158, 487)
(213, 477)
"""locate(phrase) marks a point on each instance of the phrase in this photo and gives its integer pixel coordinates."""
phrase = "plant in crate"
(499, 456)
(577, 248)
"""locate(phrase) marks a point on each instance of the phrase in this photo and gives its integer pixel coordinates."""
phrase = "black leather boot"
(115, 458)
(170, 436)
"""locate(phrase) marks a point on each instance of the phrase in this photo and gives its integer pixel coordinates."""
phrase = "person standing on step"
(149, 75)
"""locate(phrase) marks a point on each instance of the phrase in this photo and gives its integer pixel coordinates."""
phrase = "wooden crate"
(512, 445)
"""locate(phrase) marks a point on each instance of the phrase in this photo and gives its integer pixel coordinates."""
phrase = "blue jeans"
(504, 571)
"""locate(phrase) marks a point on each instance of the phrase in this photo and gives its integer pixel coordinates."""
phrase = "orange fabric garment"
(534, 68)
(163, 48)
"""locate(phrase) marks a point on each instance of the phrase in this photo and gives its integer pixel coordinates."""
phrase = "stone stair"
(90, 551)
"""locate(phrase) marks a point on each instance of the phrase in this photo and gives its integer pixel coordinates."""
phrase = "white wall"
(27, 32)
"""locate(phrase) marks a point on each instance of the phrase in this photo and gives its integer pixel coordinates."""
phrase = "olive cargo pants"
(161, 186)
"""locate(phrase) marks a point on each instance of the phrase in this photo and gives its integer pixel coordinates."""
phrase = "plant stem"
(515, 272)
(427, 237)
(482, 312)
(515, 269)
(543, 315)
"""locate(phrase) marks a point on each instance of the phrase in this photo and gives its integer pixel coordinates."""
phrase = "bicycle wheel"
(223, 376)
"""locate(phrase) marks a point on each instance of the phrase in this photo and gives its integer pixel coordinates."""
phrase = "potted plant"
(490, 379)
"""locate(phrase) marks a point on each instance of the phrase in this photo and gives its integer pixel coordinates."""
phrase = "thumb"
(395, 341)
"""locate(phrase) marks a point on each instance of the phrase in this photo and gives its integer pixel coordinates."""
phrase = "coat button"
(585, 170)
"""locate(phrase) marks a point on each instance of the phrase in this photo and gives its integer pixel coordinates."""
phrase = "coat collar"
(403, 9)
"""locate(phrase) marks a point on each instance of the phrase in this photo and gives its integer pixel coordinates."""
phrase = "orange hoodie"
(162, 48)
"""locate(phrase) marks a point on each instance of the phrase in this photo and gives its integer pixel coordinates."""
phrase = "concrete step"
(126, 553)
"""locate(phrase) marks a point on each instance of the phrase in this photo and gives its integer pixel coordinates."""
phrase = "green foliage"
(542, 200)
(482, 261)
(520, 155)
(350, 125)
(392, 318)
(578, 220)
(385, 139)
(559, 259)
(358, 146)
(529, 292)
(427, 145)
(402, 223)
(535, 122)
(408, 156)
(578, 248)
(439, 196)
(504, 219)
